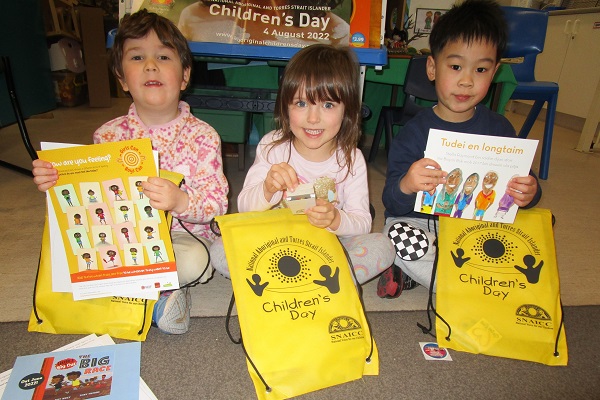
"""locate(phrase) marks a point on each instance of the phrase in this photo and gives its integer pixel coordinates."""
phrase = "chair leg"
(531, 117)
(377, 137)
(548, 131)
(10, 84)
(389, 133)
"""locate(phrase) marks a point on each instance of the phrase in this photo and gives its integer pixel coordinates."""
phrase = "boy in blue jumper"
(466, 46)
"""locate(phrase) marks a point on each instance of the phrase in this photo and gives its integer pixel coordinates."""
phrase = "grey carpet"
(205, 364)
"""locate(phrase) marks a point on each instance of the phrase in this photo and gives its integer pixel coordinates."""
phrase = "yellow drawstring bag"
(301, 318)
(498, 290)
(56, 312)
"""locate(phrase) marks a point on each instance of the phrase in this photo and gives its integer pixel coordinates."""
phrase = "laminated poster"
(277, 23)
(113, 241)
(104, 372)
(479, 168)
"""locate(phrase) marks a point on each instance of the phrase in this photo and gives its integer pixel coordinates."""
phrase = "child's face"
(154, 76)
(489, 180)
(462, 76)
(315, 126)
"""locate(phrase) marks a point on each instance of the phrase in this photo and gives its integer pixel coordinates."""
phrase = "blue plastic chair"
(526, 37)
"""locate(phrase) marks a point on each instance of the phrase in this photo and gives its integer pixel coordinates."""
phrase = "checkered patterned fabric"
(411, 243)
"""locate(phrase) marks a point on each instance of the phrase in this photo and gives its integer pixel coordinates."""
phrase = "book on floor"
(104, 372)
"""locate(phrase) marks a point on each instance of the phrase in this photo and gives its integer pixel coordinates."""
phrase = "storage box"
(66, 55)
(70, 88)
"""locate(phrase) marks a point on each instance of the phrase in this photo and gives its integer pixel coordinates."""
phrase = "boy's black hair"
(471, 21)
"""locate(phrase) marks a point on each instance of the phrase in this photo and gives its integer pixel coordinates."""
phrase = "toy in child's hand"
(301, 199)
(325, 189)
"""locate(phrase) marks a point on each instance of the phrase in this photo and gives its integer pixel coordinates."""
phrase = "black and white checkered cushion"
(411, 243)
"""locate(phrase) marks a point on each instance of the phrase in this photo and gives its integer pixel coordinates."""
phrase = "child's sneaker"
(389, 285)
(172, 311)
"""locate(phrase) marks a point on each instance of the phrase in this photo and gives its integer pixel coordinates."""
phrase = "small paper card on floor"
(107, 372)
(479, 168)
(432, 352)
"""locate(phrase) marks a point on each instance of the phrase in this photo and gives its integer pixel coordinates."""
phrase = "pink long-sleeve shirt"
(186, 145)
(352, 190)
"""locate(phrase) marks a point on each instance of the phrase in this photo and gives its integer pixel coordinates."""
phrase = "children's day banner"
(282, 23)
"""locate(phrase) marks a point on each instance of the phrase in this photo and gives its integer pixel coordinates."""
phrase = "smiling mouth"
(153, 83)
(313, 132)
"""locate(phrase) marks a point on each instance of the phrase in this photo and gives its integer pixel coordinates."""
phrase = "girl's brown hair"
(323, 73)
(139, 25)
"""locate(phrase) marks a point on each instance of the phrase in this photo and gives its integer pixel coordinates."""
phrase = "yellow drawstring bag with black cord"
(303, 325)
(498, 288)
(121, 317)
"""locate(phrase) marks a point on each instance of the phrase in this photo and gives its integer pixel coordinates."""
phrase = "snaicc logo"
(345, 328)
(533, 315)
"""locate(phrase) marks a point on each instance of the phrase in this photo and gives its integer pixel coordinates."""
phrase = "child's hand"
(280, 177)
(522, 189)
(165, 195)
(423, 175)
(324, 215)
(44, 174)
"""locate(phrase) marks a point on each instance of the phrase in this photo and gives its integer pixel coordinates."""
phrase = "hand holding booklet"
(479, 168)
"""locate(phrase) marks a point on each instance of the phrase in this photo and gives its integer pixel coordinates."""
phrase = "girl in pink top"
(318, 114)
(152, 61)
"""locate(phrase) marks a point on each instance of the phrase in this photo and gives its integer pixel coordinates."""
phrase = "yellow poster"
(115, 243)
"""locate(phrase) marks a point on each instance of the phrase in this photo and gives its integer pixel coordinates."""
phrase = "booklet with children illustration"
(479, 168)
(107, 372)
(110, 237)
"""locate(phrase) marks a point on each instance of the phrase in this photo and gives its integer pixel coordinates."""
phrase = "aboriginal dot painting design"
(495, 250)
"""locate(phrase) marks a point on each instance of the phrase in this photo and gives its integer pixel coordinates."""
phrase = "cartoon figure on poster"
(110, 257)
(447, 196)
(102, 235)
(148, 231)
(123, 211)
(155, 251)
(100, 214)
(505, 203)
(67, 197)
(125, 233)
(114, 190)
(77, 216)
(78, 239)
(485, 198)
(146, 211)
(466, 195)
(427, 200)
(133, 254)
(91, 193)
(135, 186)
(87, 260)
